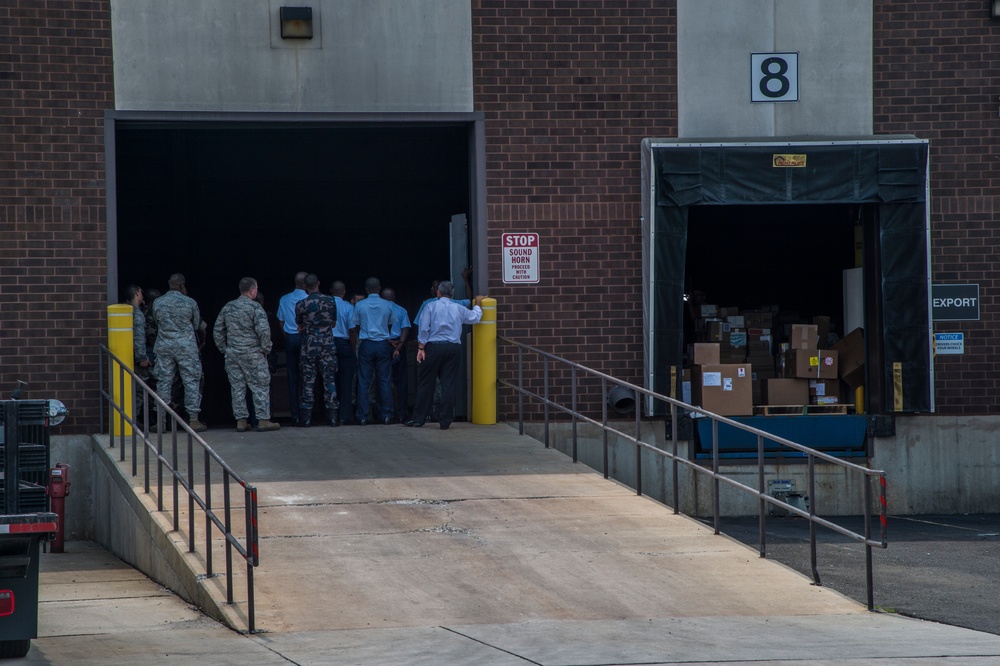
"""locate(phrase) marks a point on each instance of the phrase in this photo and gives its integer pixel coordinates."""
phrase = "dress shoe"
(413, 424)
(387, 421)
(445, 426)
(363, 422)
(305, 423)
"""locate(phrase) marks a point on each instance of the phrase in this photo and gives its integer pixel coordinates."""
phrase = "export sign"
(520, 258)
(955, 302)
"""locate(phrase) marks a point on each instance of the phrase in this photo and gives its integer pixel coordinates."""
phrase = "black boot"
(333, 417)
(305, 419)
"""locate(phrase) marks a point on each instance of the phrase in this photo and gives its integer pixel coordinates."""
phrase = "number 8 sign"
(774, 77)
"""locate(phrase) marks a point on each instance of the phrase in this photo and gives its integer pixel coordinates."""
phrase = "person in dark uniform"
(293, 341)
(400, 372)
(316, 316)
(373, 320)
(347, 360)
(439, 351)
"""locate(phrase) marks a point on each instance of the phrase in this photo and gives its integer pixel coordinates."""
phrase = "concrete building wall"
(934, 464)
(833, 43)
(228, 55)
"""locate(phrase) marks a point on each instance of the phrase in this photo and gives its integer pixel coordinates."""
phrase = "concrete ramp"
(401, 545)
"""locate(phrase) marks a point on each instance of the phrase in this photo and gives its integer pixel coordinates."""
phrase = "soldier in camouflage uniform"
(316, 316)
(243, 335)
(177, 323)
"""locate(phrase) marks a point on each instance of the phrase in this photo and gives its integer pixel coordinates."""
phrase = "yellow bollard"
(484, 365)
(859, 400)
(120, 344)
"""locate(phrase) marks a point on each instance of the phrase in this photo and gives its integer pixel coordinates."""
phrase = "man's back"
(177, 319)
(242, 327)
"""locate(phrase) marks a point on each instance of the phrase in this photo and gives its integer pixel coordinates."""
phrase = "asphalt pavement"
(936, 567)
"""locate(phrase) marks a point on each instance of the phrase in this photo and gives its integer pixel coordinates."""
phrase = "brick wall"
(569, 89)
(55, 83)
(935, 77)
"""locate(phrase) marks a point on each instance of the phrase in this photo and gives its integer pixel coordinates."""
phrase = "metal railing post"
(716, 487)
(812, 522)
(520, 392)
(761, 502)
(674, 463)
(638, 447)
(604, 421)
(573, 413)
(545, 407)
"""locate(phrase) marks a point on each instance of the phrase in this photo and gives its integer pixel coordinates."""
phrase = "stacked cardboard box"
(723, 389)
(851, 352)
(824, 391)
(787, 391)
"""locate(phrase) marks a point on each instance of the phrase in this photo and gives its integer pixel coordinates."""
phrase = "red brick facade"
(569, 88)
(935, 69)
(55, 83)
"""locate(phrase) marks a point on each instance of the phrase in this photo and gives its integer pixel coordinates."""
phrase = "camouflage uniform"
(176, 348)
(243, 335)
(316, 316)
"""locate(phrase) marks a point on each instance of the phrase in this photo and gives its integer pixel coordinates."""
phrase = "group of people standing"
(326, 338)
(338, 342)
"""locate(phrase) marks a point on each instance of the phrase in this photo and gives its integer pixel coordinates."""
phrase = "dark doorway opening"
(220, 201)
(792, 256)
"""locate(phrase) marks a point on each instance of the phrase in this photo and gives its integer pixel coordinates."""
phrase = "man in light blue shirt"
(371, 326)
(347, 360)
(398, 336)
(293, 341)
(466, 277)
(439, 351)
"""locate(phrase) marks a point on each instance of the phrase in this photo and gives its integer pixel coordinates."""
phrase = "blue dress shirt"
(374, 317)
(286, 310)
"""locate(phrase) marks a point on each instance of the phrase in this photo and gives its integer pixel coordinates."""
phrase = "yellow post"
(484, 365)
(120, 344)
(859, 400)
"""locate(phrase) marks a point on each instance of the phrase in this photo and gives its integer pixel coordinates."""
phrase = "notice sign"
(955, 302)
(949, 343)
(520, 258)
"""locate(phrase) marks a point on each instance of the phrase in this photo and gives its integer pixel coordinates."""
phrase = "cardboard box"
(851, 353)
(824, 388)
(737, 321)
(709, 310)
(822, 329)
(705, 353)
(724, 389)
(787, 392)
(717, 330)
(810, 363)
(803, 336)
(738, 339)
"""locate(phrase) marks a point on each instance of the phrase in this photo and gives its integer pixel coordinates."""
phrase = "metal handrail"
(152, 443)
(677, 460)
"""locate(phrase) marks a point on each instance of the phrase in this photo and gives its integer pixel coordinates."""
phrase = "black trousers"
(441, 360)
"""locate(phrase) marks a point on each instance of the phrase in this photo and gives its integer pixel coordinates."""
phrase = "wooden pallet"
(798, 410)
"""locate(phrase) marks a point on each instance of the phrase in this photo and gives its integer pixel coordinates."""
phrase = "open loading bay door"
(777, 217)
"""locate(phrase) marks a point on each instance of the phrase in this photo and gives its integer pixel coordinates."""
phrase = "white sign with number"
(774, 77)
(520, 258)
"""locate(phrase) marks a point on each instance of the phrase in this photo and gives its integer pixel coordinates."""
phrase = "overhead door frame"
(889, 172)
